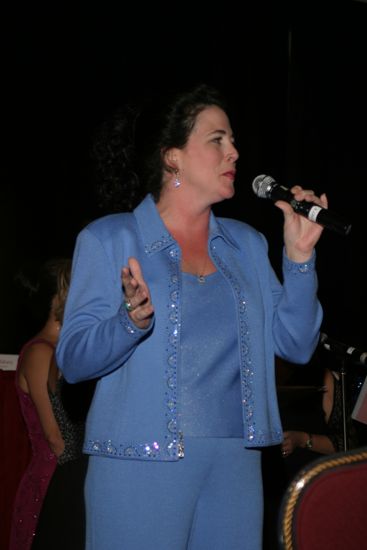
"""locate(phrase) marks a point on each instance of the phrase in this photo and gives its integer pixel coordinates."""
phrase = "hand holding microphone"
(267, 188)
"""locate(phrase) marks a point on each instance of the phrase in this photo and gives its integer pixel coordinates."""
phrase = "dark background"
(294, 73)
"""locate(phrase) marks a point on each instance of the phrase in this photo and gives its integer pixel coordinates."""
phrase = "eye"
(217, 140)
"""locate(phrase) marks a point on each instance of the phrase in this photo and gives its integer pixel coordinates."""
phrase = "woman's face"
(207, 164)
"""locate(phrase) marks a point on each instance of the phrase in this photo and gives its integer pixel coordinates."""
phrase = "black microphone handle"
(310, 210)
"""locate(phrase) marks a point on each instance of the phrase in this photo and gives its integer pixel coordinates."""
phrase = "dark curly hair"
(129, 147)
(117, 184)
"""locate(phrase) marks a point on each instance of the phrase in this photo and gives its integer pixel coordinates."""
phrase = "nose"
(233, 154)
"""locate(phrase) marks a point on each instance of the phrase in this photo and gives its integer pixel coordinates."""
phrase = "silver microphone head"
(262, 185)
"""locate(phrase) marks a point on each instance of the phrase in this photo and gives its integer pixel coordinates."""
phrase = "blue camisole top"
(210, 391)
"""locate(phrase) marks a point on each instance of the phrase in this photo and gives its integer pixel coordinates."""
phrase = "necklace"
(189, 267)
(201, 278)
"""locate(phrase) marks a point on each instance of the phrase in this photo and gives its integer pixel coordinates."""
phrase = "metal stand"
(344, 404)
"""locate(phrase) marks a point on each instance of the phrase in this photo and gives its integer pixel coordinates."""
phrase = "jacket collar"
(155, 235)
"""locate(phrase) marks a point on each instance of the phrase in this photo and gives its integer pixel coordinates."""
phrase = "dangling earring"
(176, 181)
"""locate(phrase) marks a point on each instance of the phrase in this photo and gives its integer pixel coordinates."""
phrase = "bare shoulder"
(36, 358)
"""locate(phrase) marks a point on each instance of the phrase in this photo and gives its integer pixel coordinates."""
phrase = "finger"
(285, 207)
(128, 282)
(139, 298)
(137, 274)
(136, 291)
(135, 270)
(132, 278)
(141, 316)
(142, 312)
(309, 195)
(324, 201)
(135, 300)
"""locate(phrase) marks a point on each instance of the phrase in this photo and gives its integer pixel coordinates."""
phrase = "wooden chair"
(325, 506)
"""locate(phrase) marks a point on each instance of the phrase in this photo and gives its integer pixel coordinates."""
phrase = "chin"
(223, 197)
(228, 194)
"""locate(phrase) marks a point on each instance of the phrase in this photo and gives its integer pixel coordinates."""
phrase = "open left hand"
(136, 294)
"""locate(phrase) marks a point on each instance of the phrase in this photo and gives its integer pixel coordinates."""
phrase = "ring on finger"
(128, 305)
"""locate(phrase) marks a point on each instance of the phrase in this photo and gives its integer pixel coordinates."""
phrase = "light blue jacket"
(134, 410)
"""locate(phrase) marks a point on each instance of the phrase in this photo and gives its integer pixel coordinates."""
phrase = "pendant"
(201, 278)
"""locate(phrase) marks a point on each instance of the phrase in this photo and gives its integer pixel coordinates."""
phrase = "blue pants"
(210, 500)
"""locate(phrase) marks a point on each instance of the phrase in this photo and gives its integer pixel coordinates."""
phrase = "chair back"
(325, 505)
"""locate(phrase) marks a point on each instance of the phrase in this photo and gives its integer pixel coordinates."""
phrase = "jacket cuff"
(295, 267)
(130, 327)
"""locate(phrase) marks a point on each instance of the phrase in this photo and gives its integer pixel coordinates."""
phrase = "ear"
(170, 158)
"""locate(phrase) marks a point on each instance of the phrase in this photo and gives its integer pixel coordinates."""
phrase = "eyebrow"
(222, 132)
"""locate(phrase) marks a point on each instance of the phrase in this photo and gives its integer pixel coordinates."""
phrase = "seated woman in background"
(313, 419)
(311, 409)
(56, 438)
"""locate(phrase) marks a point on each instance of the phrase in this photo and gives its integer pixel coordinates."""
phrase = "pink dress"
(34, 483)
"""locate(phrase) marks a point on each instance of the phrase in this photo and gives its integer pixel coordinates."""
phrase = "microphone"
(355, 355)
(266, 187)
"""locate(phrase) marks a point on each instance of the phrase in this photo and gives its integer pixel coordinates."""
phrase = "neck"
(188, 224)
(182, 218)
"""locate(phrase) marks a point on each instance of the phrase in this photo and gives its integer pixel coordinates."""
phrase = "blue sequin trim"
(297, 268)
(149, 450)
(170, 448)
(247, 373)
(172, 332)
(126, 323)
(155, 246)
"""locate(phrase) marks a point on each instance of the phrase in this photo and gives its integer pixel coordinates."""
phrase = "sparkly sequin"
(150, 449)
(158, 244)
(246, 364)
(171, 443)
(173, 446)
(34, 483)
(303, 268)
(72, 431)
(172, 331)
(125, 321)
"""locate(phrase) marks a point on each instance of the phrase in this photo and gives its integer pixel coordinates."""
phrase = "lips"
(230, 174)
